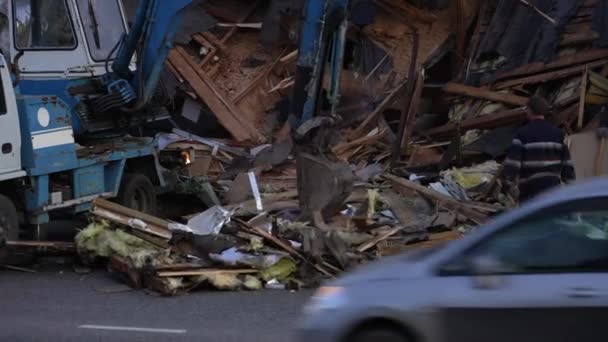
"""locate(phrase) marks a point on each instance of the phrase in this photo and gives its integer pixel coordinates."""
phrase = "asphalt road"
(56, 304)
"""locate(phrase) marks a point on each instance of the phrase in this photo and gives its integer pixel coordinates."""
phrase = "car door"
(544, 278)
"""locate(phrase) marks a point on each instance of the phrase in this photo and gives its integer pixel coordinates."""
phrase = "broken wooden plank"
(409, 10)
(413, 110)
(121, 265)
(370, 119)
(18, 269)
(132, 218)
(249, 12)
(43, 244)
(226, 113)
(204, 272)
(550, 76)
(371, 243)
(290, 57)
(284, 84)
(562, 62)
(256, 81)
(479, 93)
(256, 26)
(212, 38)
(583, 92)
(368, 139)
(442, 200)
(599, 158)
(286, 247)
(409, 93)
(578, 38)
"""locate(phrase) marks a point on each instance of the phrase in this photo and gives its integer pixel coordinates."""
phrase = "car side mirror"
(486, 272)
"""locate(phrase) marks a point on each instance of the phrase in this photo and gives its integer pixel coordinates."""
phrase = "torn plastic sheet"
(232, 257)
(274, 284)
(211, 221)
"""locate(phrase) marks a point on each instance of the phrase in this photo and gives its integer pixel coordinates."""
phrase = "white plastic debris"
(211, 221)
(255, 190)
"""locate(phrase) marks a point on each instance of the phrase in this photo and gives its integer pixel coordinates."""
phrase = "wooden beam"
(371, 243)
(233, 30)
(212, 38)
(479, 93)
(550, 76)
(118, 213)
(290, 57)
(409, 94)
(366, 140)
(370, 119)
(441, 199)
(411, 115)
(204, 272)
(256, 81)
(578, 38)
(257, 26)
(279, 243)
(225, 112)
(489, 121)
(583, 93)
(562, 62)
(411, 11)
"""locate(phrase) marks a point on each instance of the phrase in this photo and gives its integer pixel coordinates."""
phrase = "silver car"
(537, 273)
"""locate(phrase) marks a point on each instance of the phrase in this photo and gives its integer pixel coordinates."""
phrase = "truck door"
(10, 134)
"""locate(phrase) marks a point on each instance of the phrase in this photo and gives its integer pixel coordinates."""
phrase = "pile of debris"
(431, 99)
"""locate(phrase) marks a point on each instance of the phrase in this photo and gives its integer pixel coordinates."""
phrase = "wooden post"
(581, 107)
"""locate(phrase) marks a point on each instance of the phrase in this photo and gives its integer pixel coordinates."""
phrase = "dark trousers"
(535, 187)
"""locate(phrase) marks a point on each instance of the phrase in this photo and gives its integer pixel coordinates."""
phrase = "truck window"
(43, 24)
(103, 26)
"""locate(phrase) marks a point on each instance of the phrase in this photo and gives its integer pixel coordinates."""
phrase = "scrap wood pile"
(427, 118)
(555, 49)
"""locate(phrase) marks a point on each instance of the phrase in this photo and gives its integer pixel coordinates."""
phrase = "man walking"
(538, 159)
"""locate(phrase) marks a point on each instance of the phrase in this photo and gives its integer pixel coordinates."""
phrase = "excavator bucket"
(323, 184)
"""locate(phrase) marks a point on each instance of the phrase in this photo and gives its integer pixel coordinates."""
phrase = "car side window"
(568, 241)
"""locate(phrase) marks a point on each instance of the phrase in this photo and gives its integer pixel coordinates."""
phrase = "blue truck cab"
(75, 79)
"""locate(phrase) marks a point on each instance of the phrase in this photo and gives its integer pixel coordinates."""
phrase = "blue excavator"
(78, 78)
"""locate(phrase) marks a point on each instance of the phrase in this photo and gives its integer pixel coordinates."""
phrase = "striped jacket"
(538, 153)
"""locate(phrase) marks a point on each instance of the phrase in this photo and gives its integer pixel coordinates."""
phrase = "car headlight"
(327, 298)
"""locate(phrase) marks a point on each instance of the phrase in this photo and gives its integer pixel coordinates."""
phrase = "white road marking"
(135, 329)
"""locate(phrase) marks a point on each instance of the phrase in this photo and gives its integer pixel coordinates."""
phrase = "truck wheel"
(9, 225)
(137, 192)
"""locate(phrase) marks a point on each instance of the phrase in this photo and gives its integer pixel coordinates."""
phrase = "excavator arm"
(150, 40)
(324, 182)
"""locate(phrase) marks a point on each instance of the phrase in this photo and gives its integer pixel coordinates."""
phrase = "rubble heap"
(431, 98)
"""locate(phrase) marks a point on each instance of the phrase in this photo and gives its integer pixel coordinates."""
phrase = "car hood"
(387, 269)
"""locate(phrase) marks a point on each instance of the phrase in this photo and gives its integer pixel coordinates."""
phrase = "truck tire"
(137, 192)
(9, 225)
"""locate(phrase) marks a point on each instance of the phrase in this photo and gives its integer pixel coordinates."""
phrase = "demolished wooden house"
(432, 92)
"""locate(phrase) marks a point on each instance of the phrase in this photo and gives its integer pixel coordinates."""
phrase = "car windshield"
(103, 25)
